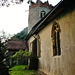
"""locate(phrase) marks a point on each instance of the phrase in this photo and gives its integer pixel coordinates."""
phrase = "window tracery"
(56, 39)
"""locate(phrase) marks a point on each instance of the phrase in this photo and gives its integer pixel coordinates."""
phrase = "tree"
(21, 35)
(3, 48)
(3, 69)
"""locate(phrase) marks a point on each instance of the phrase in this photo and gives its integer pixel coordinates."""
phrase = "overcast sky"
(15, 17)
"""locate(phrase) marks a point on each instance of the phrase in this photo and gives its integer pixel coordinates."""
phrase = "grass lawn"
(19, 70)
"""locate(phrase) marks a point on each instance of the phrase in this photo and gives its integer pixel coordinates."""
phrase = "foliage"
(32, 57)
(33, 62)
(3, 69)
(19, 70)
(27, 53)
(4, 38)
(20, 57)
(18, 54)
(3, 56)
(21, 35)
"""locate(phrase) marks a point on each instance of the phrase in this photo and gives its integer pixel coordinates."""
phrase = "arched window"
(42, 14)
(56, 39)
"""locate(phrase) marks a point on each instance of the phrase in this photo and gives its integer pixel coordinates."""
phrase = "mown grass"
(20, 70)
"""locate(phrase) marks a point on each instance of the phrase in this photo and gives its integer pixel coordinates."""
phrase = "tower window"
(42, 14)
(56, 39)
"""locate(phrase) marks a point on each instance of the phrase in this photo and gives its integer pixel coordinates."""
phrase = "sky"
(14, 18)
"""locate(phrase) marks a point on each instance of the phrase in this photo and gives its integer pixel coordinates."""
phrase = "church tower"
(37, 11)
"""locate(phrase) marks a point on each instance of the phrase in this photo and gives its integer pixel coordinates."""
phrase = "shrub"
(33, 62)
(19, 56)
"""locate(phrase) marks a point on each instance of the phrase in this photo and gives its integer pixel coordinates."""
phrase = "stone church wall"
(65, 63)
(34, 16)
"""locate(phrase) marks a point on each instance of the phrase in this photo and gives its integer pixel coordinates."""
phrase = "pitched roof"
(49, 17)
(16, 45)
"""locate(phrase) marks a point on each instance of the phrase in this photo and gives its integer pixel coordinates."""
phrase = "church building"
(52, 36)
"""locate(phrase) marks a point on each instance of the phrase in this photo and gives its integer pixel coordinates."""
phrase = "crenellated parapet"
(40, 4)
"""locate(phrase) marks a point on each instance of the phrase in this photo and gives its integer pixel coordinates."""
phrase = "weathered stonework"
(35, 11)
(65, 63)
